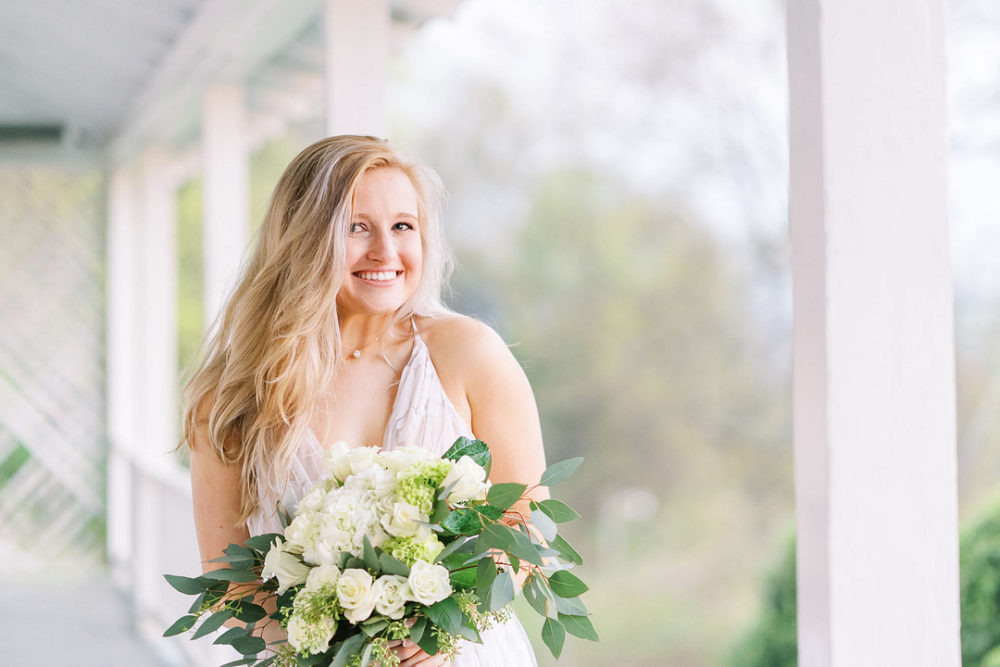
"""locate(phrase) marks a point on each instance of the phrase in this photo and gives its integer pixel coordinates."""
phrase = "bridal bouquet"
(389, 546)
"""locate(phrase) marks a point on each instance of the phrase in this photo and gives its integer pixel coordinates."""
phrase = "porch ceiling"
(92, 76)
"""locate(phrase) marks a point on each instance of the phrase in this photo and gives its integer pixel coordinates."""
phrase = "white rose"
(324, 576)
(321, 552)
(391, 594)
(286, 566)
(429, 583)
(402, 458)
(403, 520)
(356, 594)
(468, 479)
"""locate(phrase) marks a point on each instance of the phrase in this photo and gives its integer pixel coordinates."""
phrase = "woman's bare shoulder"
(458, 341)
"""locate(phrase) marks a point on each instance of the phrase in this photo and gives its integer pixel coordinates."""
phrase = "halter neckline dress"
(422, 416)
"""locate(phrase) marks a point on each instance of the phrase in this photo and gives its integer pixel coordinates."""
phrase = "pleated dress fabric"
(422, 416)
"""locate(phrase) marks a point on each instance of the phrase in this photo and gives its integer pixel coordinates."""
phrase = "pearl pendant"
(357, 354)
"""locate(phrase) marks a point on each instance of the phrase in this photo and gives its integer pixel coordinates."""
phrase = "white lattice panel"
(52, 443)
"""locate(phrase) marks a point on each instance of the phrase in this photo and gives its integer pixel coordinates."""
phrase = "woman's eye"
(356, 227)
(403, 225)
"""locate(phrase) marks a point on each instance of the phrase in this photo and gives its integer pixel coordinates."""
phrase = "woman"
(336, 331)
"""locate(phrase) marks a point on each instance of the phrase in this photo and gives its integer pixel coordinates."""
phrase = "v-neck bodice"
(422, 416)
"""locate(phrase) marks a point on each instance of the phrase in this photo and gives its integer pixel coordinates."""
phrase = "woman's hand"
(411, 655)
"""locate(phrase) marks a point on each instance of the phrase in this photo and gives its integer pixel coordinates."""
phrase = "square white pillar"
(357, 56)
(875, 460)
(225, 192)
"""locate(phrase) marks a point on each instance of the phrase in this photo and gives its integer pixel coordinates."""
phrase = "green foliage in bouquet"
(450, 584)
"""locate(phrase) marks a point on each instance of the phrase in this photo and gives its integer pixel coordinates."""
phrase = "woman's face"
(384, 252)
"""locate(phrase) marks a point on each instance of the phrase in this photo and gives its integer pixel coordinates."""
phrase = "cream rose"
(403, 520)
(468, 478)
(356, 594)
(286, 566)
(391, 594)
(429, 583)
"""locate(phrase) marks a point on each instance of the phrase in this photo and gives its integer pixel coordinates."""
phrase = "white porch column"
(122, 361)
(225, 192)
(875, 468)
(157, 380)
(357, 55)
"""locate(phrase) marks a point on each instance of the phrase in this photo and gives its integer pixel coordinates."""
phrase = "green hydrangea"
(418, 485)
(409, 549)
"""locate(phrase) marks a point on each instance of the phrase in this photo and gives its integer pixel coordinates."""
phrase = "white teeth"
(377, 275)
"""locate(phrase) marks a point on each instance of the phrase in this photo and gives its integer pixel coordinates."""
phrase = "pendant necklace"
(357, 352)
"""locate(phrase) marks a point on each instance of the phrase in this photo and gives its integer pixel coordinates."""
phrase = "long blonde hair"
(277, 343)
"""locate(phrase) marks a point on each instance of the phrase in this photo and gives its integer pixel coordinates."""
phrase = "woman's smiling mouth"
(377, 276)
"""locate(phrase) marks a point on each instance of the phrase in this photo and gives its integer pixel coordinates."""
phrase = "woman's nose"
(381, 247)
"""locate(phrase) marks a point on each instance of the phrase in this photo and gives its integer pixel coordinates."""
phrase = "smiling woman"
(336, 332)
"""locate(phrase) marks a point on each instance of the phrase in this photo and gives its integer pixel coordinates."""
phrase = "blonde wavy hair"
(276, 344)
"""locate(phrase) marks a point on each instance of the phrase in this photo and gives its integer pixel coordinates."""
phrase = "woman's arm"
(215, 490)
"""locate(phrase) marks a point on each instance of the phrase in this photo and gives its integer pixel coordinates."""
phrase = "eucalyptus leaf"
(545, 525)
(579, 626)
(558, 511)
(505, 494)
(241, 661)
(497, 536)
(557, 472)
(230, 635)
(459, 545)
(486, 573)
(570, 606)
(347, 650)
(534, 597)
(263, 543)
(440, 513)
(366, 655)
(212, 623)
(186, 585)
(523, 548)
(196, 605)
(566, 550)
(370, 557)
(372, 627)
(565, 584)
(501, 592)
(249, 645)
(182, 624)
(391, 565)
(418, 628)
(228, 574)
(554, 635)
(248, 612)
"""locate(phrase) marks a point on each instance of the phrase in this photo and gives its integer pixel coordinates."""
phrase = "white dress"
(422, 416)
